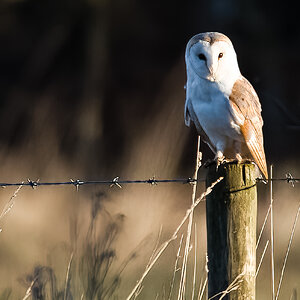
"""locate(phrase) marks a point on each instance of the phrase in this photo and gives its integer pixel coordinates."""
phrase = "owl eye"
(220, 55)
(201, 56)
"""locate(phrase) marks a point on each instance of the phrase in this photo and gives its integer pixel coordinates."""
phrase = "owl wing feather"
(189, 115)
(246, 109)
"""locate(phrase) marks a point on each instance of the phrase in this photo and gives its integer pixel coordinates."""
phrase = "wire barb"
(77, 183)
(33, 184)
(152, 181)
(290, 179)
(191, 181)
(115, 182)
(261, 179)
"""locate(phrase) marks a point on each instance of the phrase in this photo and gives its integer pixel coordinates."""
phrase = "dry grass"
(93, 269)
(162, 248)
(89, 272)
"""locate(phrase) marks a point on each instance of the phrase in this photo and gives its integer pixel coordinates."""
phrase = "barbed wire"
(114, 182)
(117, 182)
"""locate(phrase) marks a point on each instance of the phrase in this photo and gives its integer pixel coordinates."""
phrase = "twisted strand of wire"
(113, 182)
(117, 182)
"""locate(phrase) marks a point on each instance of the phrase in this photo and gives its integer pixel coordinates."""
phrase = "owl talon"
(219, 159)
(238, 157)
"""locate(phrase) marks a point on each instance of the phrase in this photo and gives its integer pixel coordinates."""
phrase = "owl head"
(211, 56)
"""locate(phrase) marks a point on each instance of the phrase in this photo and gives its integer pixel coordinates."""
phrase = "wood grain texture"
(231, 211)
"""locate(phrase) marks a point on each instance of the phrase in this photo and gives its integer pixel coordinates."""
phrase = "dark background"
(94, 89)
(81, 80)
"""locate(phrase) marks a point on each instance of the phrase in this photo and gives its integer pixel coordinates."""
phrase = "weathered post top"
(231, 211)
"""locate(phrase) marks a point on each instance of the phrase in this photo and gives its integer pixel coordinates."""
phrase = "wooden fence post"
(231, 210)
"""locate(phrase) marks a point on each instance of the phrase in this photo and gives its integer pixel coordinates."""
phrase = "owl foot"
(218, 163)
(219, 159)
(238, 157)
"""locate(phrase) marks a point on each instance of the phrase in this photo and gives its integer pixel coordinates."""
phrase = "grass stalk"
(9, 205)
(202, 289)
(272, 234)
(181, 291)
(29, 290)
(234, 285)
(288, 251)
(195, 263)
(263, 226)
(175, 268)
(68, 278)
(262, 257)
(163, 247)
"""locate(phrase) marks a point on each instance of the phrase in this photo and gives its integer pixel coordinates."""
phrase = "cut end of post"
(237, 175)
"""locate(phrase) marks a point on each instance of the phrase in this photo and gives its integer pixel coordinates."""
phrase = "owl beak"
(211, 76)
(211, 68)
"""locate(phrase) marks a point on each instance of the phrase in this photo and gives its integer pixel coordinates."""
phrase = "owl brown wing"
(247, 111)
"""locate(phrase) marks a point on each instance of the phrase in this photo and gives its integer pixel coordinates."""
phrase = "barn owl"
(222, 103)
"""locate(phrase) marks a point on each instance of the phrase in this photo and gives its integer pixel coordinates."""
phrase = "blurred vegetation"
(91, 272)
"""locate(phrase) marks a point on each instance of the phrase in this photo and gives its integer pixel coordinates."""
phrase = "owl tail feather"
(258, 154)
